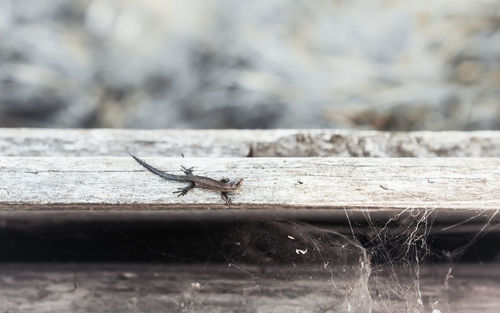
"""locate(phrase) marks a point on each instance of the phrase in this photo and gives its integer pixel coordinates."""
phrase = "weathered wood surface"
(242, 143)
(172, 288)
(331, 184)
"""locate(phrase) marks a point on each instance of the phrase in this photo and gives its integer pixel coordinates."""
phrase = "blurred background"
(385, 65)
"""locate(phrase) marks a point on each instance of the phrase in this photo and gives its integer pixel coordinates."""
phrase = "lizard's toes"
(181, 192)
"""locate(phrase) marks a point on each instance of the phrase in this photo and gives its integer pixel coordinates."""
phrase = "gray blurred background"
(387, 65)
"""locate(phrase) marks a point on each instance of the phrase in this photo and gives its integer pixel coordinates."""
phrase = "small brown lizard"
(223, 186)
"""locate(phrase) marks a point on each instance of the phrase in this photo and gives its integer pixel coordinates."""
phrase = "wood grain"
(210, 288)
(242, 143)
(119, 183)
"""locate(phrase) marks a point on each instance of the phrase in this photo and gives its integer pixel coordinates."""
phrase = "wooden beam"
(113, 184)
(211, 288)
(242, 143)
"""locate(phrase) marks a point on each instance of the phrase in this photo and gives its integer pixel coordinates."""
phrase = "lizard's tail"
(155, 170)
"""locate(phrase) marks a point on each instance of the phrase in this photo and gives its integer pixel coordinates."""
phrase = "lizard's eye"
(236, 183)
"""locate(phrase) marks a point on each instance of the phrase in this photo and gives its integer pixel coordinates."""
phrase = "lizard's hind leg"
(187, 171)
(183, 191)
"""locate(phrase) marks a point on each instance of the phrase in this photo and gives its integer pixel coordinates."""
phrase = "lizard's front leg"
(183, 191)
(224, 197)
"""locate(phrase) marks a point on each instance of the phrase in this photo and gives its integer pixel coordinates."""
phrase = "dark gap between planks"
(201, 241)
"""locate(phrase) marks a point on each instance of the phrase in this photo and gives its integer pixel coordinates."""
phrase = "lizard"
(223, 187)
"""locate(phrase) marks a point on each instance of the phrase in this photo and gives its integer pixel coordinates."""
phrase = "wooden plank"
(242, 143)
(328, 184)
(210, 288)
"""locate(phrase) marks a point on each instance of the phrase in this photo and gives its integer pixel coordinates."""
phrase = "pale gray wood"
(210, 288)
(352, 143)
(325, 184)
(241, 143)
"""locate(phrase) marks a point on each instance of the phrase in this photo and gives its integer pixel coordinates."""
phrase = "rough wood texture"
(331, 184)
(84, 173)
(154, 288)
(241, 143)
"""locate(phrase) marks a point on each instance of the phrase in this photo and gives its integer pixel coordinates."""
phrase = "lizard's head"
(235, 183)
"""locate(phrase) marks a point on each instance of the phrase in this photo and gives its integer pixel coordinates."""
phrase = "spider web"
(299, 267)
